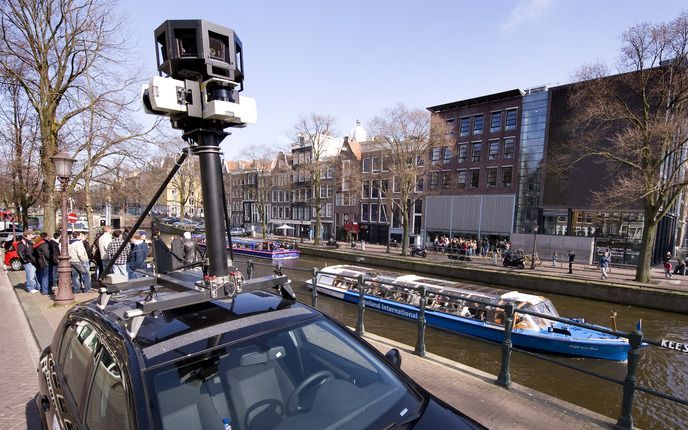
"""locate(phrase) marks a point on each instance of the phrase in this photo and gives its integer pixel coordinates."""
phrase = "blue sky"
(352, 59)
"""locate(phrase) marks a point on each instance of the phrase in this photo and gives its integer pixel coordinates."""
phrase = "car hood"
(437, 416)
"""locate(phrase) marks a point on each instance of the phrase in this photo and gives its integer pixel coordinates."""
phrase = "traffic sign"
(71, 217)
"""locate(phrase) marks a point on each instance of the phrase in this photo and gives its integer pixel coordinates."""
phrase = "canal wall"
(635, 294)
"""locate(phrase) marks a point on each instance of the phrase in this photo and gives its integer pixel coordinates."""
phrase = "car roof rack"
(189, 288)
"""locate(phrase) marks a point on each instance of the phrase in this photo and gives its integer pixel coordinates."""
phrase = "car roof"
(168, 335)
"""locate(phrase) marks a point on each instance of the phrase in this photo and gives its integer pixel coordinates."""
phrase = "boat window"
(546, 307)
(326, 280)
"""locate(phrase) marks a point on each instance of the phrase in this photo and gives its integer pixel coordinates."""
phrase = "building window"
(447, 154)
(463, 152)
(420, 185)
(436, 155)
(366, 165)
(465, 126)
(506, 176)
(395, 185)
(511, 119)
(478, 124)
(446, 179)
(339, 199)
(476, 150)
(493, 150)
(509, 148)
(328, 210)
(475, 178)
(365, 215)
(496, 122)
(374, 215)
(377, 164)
(433, 181)
(492, 178)
(375, 189)
(366, 190)
(462, 178)
(383, 214)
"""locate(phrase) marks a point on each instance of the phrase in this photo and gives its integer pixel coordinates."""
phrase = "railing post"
(314, 292)
(249, 269)
(420, 344)
(625, 421)
(504, 378)
(361, 305)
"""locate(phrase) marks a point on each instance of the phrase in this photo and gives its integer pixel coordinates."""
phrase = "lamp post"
(532, 256)
(63, 170)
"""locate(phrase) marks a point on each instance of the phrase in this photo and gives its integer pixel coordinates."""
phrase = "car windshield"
(315, 375)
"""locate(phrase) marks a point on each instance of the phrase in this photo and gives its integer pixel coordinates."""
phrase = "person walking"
(604, 264)
(54, 245)
(120, 266)
(78, 258)
(28, 258)
(137, 257)
(572, 256)
(43, 264)
(189, 248)
(103, 243)
(554, 258)
(667, 265)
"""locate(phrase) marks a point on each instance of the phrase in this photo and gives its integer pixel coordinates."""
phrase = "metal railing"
(636, 339)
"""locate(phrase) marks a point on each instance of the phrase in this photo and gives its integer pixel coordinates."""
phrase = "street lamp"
(63, 170)
(532, 256)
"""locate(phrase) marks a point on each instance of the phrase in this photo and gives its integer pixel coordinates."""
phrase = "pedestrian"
(78, 258)
(189, 248)
(28, 258)
(604, 264)
(120, 265)
(42, 248)
(137, 257)
(554, 258)
(572, 256)
(54, 245)
(667, 265)
(103, 243)
(177, 248)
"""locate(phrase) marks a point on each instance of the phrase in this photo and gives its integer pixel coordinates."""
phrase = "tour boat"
(452, 306)
(260, 248)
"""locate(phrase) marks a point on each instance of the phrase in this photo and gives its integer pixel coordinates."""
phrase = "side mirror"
(394, 357)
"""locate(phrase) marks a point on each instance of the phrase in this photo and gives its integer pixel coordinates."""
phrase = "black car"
(255, 361)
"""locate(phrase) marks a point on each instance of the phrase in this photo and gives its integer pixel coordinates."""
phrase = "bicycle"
(528, 258)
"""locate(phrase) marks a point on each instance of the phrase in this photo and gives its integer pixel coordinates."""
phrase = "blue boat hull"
(277, 255)
(610, 348)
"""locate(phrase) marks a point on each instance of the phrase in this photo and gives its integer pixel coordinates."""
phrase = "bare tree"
(53, 49)
(19, 143)
(636, 124)
(406, 137)
(315, 134)
(262, 159)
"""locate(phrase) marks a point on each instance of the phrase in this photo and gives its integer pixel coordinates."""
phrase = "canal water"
(659, 369)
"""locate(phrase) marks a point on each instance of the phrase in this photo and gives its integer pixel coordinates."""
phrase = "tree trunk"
(89, 212)
(405, 226)
(643, 270)
(316, 230)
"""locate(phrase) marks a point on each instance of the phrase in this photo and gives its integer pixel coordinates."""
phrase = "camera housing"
(204, 67)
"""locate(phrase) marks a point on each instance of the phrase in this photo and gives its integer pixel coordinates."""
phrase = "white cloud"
(525, 11)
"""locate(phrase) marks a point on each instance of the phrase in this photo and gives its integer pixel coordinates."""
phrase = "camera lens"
(217, 91)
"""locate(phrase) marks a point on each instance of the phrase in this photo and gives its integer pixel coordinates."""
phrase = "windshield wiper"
(406, 421)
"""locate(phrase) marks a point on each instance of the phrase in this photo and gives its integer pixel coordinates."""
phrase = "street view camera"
(204, 72)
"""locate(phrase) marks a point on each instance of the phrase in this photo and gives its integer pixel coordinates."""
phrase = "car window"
(108, 407)
(285, 379)
(78, 354)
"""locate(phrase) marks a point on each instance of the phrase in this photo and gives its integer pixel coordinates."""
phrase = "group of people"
(39, 255)
(470, 247)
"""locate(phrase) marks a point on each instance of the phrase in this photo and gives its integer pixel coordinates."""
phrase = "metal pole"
(143, 215)
(420, 344)
(504, 378)
(314, 292)
(361, 305)
(625, 421)
(64, 295)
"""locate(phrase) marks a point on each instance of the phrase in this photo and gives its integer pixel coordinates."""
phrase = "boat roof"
(437, 286)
